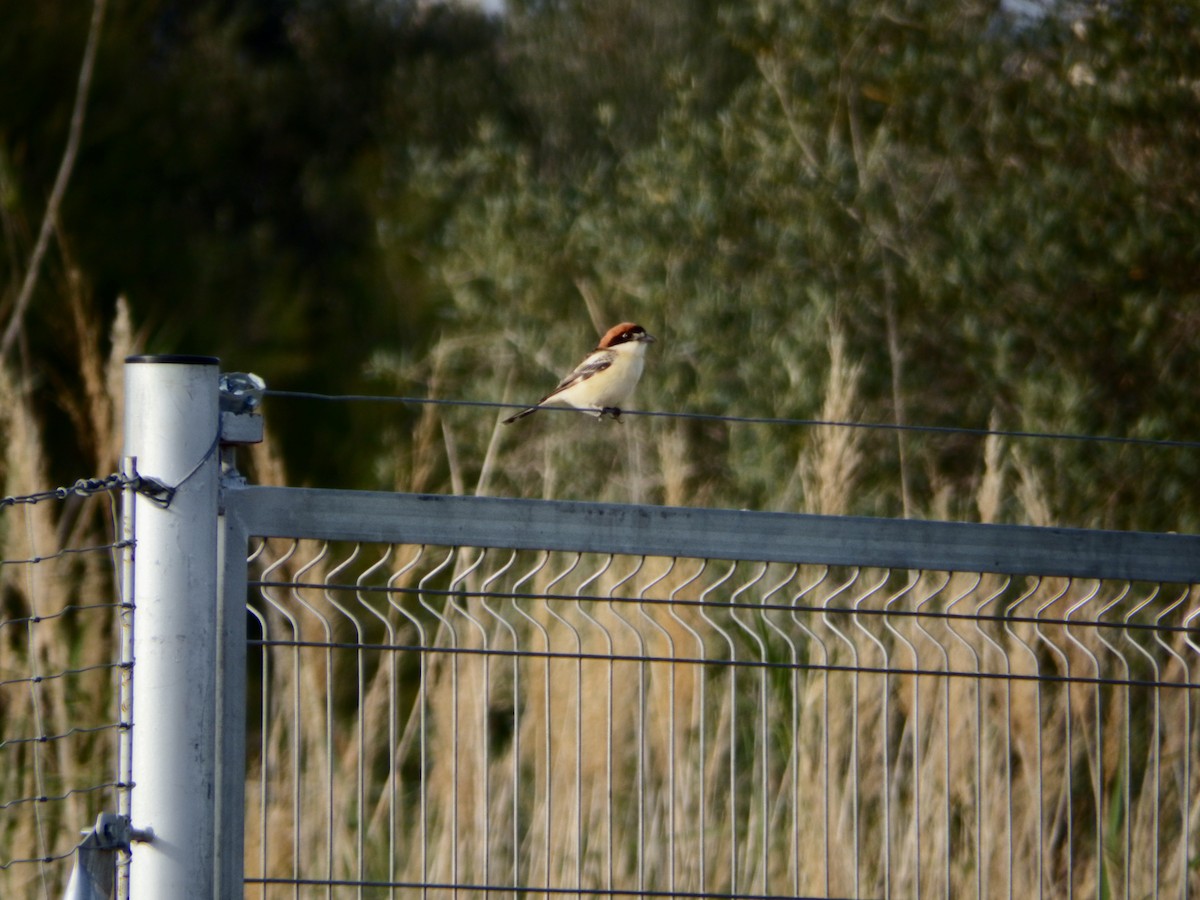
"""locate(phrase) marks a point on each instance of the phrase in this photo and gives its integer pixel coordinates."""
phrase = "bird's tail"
(522, 414)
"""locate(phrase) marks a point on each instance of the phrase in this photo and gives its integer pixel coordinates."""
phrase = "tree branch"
(59, 189)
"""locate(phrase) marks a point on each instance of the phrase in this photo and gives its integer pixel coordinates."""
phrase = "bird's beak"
(647, 339)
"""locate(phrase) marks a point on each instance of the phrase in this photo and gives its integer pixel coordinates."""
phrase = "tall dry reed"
(58, 643)
(559, 720)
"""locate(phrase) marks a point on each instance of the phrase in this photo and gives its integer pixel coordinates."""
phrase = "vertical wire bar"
(483, 817)
(263, 724)
(264, 653)
(294, 735)
(554, 582)
(734, 869)
(298, 730)
(483, 820)
(582, 601)
(914, 720)
(457, 586)
(549, 724)
(517, 790)
(263, 760)
(1098, 721)
(792, 694)
(1007, 719)
(1124, 765)
(1127, 633)
(35, 703)
(790, 775)
(125, 623)
(670, 668)
(1157, 738)
(420, 712)
(1007, 699)
(394, 754)
(541, 630)
(383, 668)
(764, 810)
(1039, 748)
(445, 627)
(547, 773)
(456, 773)
(980, 856)
(330, 594)
(1009, 612)
(823, 664)
(1068, 766)
(948, 835)
(1067, 820)
(640, 769)
(330, 816)
(1185, 789)
(293, 732)
(486, 590)
(885, 715)
(735, 601)
(855, 836)
(977, 731)
(705, 603)
(698, 676)
(429, 644)
(389, 642)
(702, 765)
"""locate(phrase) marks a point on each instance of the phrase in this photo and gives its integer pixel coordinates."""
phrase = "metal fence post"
(171, 427)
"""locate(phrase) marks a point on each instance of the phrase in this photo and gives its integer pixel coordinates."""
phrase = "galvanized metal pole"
(171, 427)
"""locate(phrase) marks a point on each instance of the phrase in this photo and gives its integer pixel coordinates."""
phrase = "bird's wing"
(593, 365)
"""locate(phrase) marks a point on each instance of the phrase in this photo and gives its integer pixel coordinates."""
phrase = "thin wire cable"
(64, 611)
(530, 889)
(66, 551)
(42, 679)
(81, 488)
(47, 738)
(1166, 443)
(1044, 678)
(45, 798)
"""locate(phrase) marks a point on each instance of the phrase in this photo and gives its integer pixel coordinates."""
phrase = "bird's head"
(625, 333)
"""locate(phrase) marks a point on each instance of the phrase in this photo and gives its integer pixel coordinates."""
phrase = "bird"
(605, 378)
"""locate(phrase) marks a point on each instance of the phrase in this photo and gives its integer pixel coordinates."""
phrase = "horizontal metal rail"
(373, 517)
(538, 698)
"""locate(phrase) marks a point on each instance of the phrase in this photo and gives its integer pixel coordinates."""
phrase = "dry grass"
(57, 625)
(620, 748)
(605, 740)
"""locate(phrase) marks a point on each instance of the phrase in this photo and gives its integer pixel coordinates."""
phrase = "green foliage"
(981, 203)
(995, 212)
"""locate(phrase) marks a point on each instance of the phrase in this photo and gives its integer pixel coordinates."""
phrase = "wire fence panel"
(60, 670)
(447, 718)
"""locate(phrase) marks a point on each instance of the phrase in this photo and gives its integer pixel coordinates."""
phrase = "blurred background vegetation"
(965, 215)
(953, 214)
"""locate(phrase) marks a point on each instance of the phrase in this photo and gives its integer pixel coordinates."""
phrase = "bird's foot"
(613, 411)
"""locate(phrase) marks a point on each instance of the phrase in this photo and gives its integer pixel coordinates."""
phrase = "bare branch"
(59, 190)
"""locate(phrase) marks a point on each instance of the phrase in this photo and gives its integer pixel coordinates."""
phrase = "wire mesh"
(60, 670)
(451, 719)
